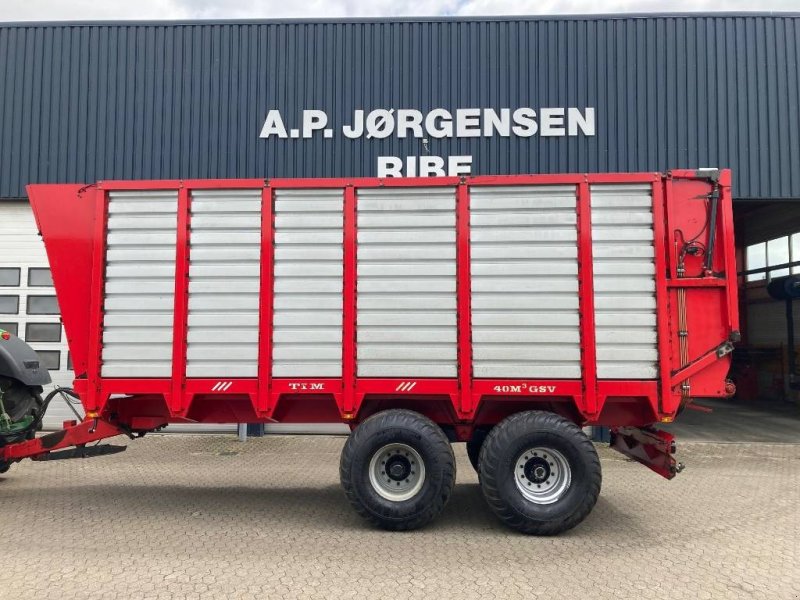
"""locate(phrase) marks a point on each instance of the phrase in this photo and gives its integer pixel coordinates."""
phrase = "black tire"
(504, 453)
(388, 429)
(4, 467)
(474, 446)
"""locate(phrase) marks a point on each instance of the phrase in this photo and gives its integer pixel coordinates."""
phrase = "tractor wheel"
(398, 469)
(540, 473)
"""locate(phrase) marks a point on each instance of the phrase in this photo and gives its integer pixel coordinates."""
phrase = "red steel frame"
(463, 401)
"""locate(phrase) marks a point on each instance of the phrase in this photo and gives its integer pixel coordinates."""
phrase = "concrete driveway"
(186, 516)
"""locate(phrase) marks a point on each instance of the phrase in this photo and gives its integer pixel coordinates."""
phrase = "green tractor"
(22, 379)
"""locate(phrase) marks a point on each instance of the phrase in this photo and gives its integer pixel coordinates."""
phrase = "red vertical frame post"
(97, 297)
(729, 250)
(181, 306)
(263, 404)
(660, 242)
(586, 300)
(464, 301)
(349, 283)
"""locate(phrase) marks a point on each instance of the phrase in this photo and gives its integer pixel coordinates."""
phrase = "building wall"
(80, 103)
(28, 296)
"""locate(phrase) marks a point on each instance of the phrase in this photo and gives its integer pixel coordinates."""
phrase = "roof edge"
(366, 20)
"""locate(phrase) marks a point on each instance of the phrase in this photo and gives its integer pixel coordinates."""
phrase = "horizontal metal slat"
(204, 368)
(384, 238)
(131, 271)
(152, 352)
(222, 334)
(137, 335)
(310, 206)
(525, 301)
(326, 302)
(222, 352)
(504, 251)
(627, 371)
(307, 369)
(406, 252)
(498, 268)
(405, 369)
(524, 284)
(405, 335)
(316, 335)
(308, 221)
(134, 320)
(619, 283)
(508, 235)
(135, 370)
(518, 370)
(526, 336)
(139, 254)
(430, 302)
(136, 287)
(418, 223)
(232, 319)
(137, 303)
(517, 219)
(525, 319)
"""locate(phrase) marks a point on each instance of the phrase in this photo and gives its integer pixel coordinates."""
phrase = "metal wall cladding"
(140, 284)
(151, 101)
(624, 281)
(524, 266)
(307, 286)
(224, 279)
(406, 298)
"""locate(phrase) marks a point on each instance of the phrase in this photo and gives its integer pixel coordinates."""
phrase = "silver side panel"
(140, 284)
(224, 277)
(407, 283)
(524, 266)
(624, 281)
(308, 268)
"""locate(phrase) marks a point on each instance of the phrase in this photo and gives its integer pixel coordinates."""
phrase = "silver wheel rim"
(542, 475)
(397, 472)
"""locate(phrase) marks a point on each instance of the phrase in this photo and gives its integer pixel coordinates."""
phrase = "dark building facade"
(81, 102)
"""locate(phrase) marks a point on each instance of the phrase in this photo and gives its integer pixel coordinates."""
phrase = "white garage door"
(28, 304)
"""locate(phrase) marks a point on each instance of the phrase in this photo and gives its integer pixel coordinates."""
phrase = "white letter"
(411, 166)
(390, 166)
(442, 129)
(501, 124)
(468, 122)
(312, 121)
(358, 129)
(459, 165)
(525, 119)
(409, 119)
(431, 166)
(552, 122)
(273, 125)
(577, 120)
(380, 123)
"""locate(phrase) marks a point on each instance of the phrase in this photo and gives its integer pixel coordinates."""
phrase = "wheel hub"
(398, 467)
(537, 470)
(397, 472)
(542, 475)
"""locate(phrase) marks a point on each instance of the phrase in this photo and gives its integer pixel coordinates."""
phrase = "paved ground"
(733, 421)
(192, 516)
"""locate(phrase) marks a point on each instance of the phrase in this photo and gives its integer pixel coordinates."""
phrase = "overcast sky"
(50, 10)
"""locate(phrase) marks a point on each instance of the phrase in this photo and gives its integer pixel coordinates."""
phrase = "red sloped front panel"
(65, 215)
